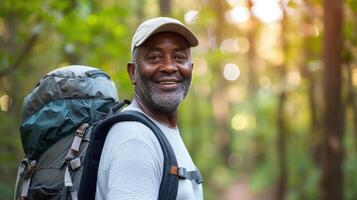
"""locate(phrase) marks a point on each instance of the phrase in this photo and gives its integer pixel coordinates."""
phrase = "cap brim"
(176, 28)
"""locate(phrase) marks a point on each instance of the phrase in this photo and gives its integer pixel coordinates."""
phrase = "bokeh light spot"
(231, 72)
(238, 15)
(239, 122)
(5, 102)
(191, 16)
(267, 11)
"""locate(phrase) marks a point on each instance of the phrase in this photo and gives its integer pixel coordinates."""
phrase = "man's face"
(163, 72)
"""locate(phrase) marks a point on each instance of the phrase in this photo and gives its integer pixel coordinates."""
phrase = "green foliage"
(352, 4)
(351, 183)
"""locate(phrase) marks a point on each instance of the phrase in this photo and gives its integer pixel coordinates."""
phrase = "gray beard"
(166, 103)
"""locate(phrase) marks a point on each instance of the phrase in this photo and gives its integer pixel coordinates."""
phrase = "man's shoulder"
(129, 130)
(124, 136)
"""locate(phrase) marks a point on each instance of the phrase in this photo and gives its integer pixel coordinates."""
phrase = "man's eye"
(154, 58)
(180, 57)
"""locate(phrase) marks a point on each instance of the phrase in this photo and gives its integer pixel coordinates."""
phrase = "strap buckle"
(182, 173)
(27, 175)
(82, 129)
(29, 168)
(199, 178)
(76, 142)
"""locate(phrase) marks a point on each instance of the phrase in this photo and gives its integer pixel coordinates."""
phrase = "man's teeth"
(167, 83)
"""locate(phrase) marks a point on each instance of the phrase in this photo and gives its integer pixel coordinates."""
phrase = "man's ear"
(131, 71)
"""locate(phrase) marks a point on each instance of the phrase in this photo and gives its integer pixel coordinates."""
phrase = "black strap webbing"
(169, 182)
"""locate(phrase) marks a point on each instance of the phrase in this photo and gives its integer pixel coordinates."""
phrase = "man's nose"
(169, 66)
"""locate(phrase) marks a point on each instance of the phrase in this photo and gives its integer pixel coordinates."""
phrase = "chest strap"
(182, 173)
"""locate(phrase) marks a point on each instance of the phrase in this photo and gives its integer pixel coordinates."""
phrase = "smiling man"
(131, 165)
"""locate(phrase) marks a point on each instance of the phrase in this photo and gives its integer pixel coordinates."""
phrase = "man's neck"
(169, 119)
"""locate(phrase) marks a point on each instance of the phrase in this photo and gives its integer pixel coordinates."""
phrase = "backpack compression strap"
(182, 173)
(169, 182)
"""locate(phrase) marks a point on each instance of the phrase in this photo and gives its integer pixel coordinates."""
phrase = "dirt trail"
(241, 191)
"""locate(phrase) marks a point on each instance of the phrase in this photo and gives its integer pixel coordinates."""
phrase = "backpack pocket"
(48, 179)
(43, 193)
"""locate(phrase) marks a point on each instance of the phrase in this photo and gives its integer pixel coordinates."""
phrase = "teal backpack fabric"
(58, 119)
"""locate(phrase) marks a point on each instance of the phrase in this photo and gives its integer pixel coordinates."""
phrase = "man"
(131, 165)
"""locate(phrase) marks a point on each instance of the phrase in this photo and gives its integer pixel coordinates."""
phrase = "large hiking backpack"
(66, 119)
(60, 107)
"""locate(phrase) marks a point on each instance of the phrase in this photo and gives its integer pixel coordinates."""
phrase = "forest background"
(272, 110)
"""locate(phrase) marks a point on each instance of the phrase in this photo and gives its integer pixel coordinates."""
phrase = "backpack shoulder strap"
(169, 182)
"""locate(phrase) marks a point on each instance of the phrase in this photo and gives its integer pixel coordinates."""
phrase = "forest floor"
(241, 190)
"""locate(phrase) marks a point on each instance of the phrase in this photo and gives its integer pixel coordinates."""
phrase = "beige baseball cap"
(161, 24)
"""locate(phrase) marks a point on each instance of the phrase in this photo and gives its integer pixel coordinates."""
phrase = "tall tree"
(308, 54)
(331, 184)
(219, 96)
(281, 117)
(165, 7)
(252, 57)
(349, 57)
(351, 99)
(139, 10)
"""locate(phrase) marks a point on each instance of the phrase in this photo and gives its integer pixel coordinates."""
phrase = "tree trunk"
(252, 71)
(282, 132)
(165, 7)
(283, 172)
(221, 114)
(331, 183)
(314, 140)
(219, 96)
(315, 137)
(351, 101)
(139, 10)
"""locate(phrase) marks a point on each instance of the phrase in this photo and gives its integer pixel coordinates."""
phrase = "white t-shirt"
(131, 163)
